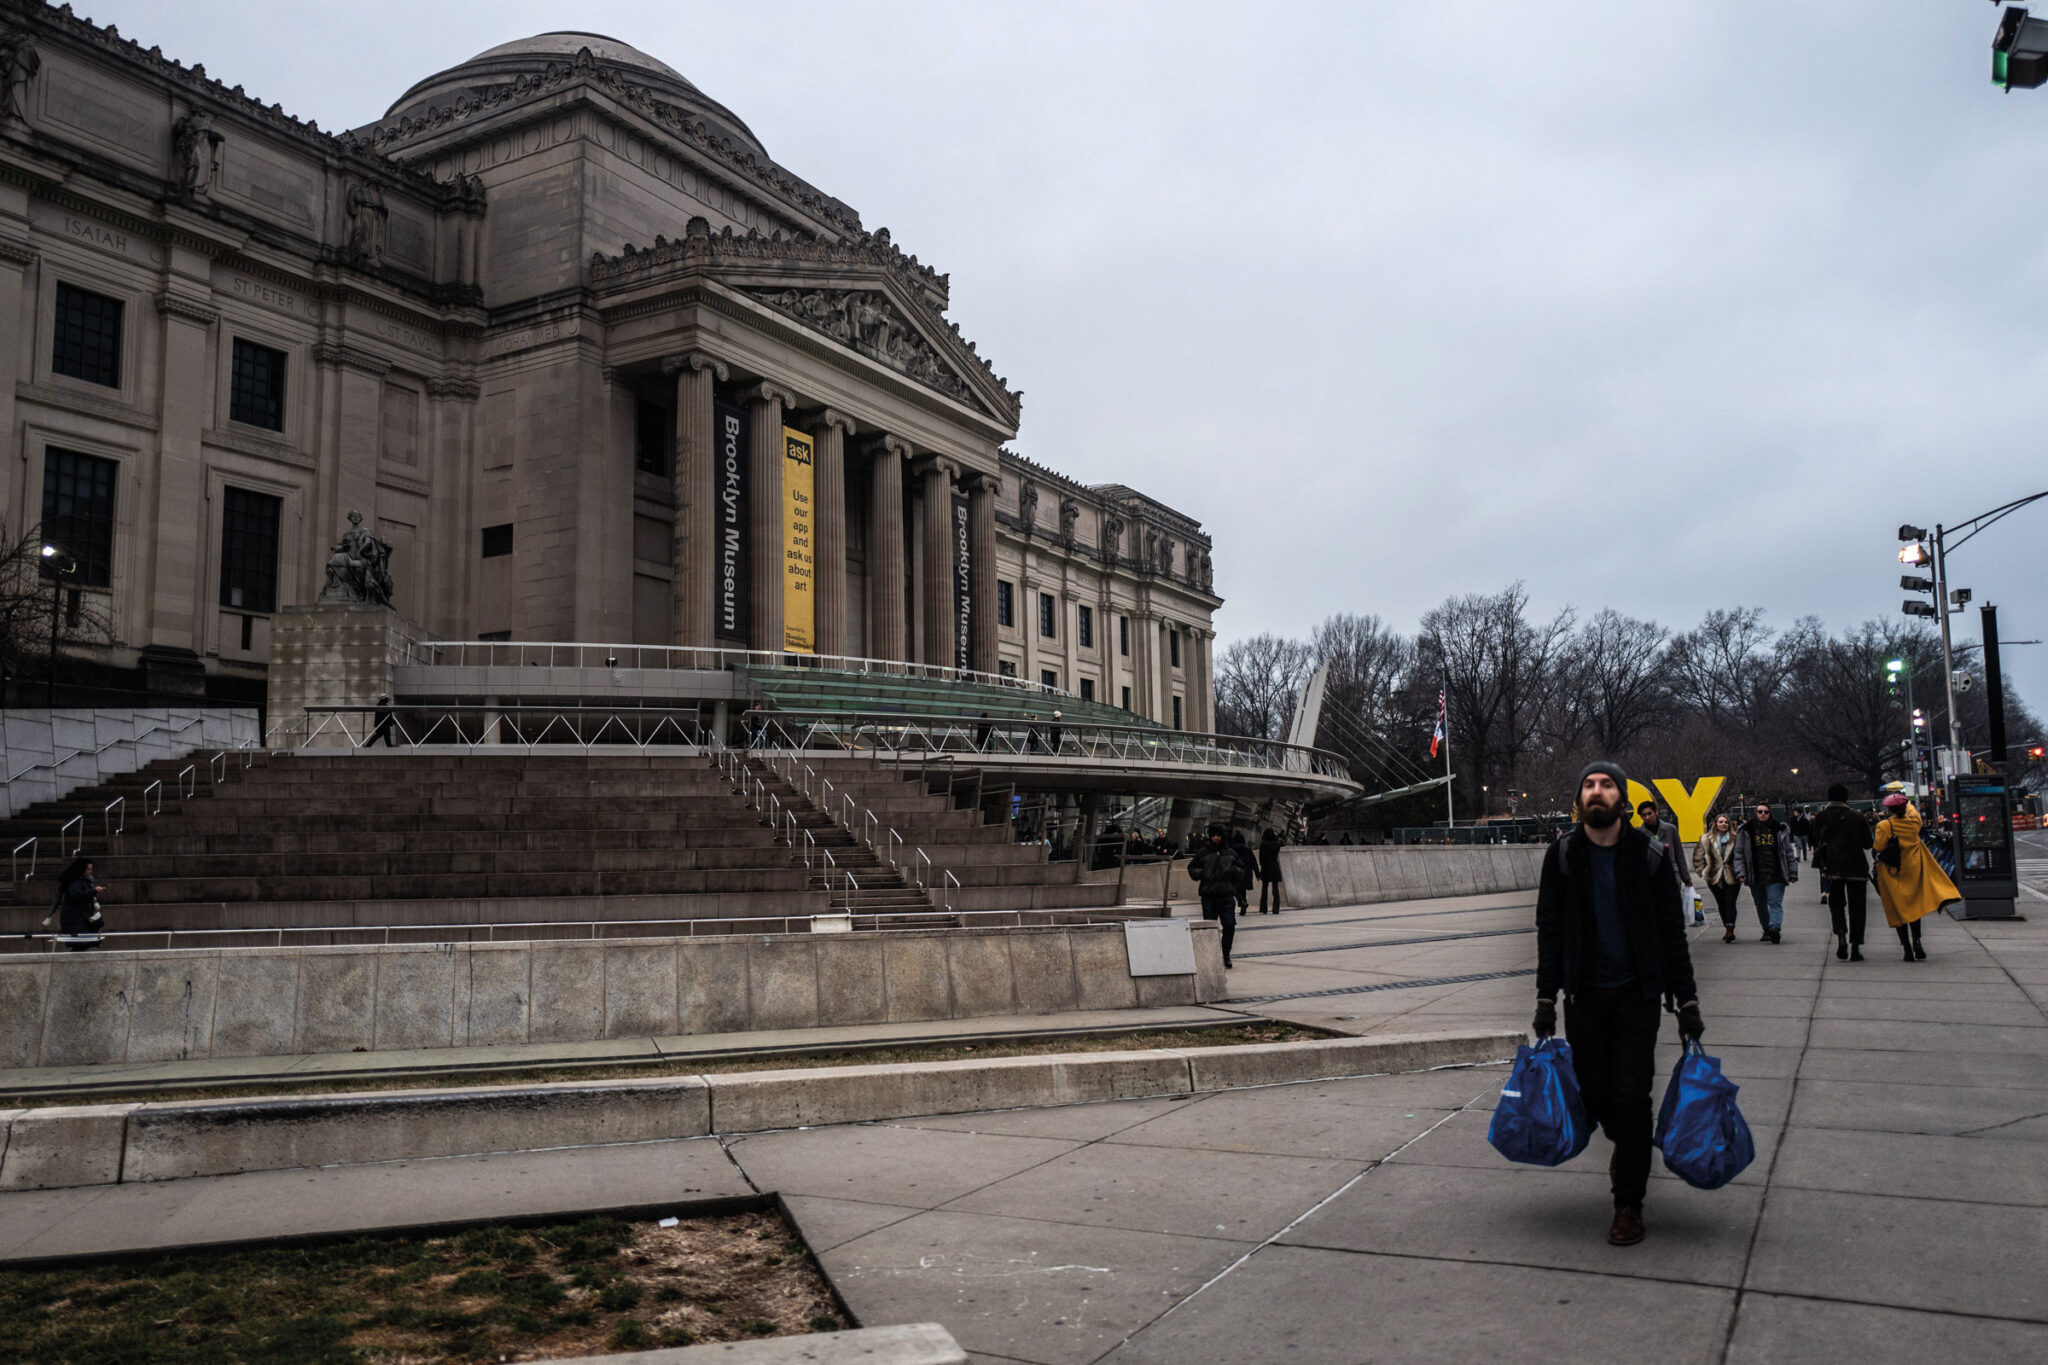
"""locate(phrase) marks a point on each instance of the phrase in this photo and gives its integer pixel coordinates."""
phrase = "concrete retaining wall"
(131, 738)
(75, 1009)
(1320, 874)
(107, 1144)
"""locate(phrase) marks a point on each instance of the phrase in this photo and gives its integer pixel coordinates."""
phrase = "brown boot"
(1628, 1225)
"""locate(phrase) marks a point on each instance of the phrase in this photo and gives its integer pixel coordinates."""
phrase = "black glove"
(1545, 1023)
(1690, 1025)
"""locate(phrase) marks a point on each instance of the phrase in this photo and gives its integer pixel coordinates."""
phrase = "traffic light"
(2019, 51)
(1912, 608)
(1919, 719)
(1892, 669)
(2037, 753)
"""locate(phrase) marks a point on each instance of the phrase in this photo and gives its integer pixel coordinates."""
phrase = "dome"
(507, 62)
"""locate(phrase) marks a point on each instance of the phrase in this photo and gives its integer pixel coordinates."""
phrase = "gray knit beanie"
(1613, 770)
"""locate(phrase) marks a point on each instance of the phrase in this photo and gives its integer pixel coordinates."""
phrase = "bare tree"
(1616, 678)
(1257, 681)
(1499, 673)
(1369, 667)
(35, 607)
(1838, 701)
(1725, 670)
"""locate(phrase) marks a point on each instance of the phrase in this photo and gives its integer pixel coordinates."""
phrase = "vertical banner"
(963, 587)
(799, 570)
(729, 516)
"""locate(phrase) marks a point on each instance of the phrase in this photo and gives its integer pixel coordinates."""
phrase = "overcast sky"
(1660, 306)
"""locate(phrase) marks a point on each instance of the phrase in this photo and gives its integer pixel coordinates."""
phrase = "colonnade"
(701, 452)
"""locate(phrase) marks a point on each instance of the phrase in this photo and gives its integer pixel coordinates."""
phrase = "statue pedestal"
(332, 654)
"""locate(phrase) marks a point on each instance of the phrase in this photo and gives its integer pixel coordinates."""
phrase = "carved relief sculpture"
(1112, 540)
(1166, 555)
(1070, 512)
(197, 148)
(871, 325)
(359, 570)
(366, 219)
(1027, 505)
(19, 63)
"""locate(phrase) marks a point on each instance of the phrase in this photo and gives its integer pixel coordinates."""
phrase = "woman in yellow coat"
(1909, 882)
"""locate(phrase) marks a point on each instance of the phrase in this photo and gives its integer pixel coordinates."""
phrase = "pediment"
(867, 320)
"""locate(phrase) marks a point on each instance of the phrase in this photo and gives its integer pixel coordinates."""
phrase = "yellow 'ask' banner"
(799, 572)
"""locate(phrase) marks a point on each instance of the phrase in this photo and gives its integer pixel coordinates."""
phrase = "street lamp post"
(59, 563)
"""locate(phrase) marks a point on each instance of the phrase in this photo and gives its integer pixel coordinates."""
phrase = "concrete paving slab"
(1885, 1035)
(1398, 1308)
(1192, 1193)
(1824, 1245)
(1844, 986)
(1461, 1142)
(1944, 1110)
(1914, 1166)
(1927, 1068)
(394, 1194)
(1077, 1122)
(827, 1223)
(916, 1167)
(1534, 1217)
(1776, 1330)
(1332, 1121)
(1023, 1288)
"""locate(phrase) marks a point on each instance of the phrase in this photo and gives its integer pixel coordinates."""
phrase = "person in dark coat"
(1244, 854)
(1220, 875)
(1269, 870)
(1764, 862)
(1610, 940)
(77, 907)
(1840, 837)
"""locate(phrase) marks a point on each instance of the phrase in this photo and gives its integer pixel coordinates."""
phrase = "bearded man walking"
(1610, 940)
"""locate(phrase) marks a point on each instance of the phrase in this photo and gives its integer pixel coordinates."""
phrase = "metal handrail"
(157, 787)
(671, 726)
(65, 828)
(924, 872)
(189, 770)
(950, 885)
(217, 769)
(107, 828)
(686, 928)
(95, 753)
(14, 857)
(567, 654)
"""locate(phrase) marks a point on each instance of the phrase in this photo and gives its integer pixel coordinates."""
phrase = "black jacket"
(1840, 836)
(1269, 857)
(1645, 883)
(1220, 871)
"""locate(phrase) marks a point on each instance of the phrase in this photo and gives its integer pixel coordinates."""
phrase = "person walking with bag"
(1665, 832)
(1839, 837)
(77, 907)
(1610, 941)
(1764, 863)
(1910, 883)
(1713, 863)
(1269, 870)
(1219, 875)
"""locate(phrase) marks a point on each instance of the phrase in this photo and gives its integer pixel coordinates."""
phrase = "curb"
(75, 1145)
(918, 1343)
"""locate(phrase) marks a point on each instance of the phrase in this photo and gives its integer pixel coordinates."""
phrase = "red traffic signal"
(2037, 753)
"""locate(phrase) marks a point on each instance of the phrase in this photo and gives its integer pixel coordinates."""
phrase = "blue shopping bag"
(1702, 1134)
(1540, 1119)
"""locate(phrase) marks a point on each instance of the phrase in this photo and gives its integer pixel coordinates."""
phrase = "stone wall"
(86, 1008)
(332, 655)
(1320, 874)
(51, 753)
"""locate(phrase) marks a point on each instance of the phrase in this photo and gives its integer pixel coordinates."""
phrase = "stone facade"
(517, 323)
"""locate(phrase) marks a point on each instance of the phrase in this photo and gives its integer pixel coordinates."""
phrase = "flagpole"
(1450, 810)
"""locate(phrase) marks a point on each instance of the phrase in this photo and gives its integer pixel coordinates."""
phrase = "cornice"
(350, 357)
(89, 404)
(283, 452)
(187, 310)
(461, 387)
(19, 253)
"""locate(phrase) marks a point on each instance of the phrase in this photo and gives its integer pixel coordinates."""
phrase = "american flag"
(1437, 738)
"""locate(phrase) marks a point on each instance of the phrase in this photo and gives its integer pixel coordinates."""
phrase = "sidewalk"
(1898, 1208)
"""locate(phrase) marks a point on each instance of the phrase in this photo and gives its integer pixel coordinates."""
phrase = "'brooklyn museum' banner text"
(799, 575)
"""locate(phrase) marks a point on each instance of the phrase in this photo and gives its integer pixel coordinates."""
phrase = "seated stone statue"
(359, 570)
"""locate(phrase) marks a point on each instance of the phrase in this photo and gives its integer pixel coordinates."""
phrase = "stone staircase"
(420, 846)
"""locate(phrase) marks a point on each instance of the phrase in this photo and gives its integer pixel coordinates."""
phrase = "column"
(765, 402)
(829, 557)
(981, 528)
(1165, 647)
(696, 495)
(174, 603)
(1198, 681)
(885, 550)
(1027, 614)
(936, 537)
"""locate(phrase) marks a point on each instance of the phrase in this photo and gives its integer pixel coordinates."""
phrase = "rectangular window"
(1127, 699)
(1084, 627)
(1173, 650)
(495, 635)
(1006, 604)
(1176, 713)
(88, 342)
(1048, 677)
(653, 438)
(78, 513)
(1123, 638)
(1007, 667)
(248, 550)
(497, 540)
(256, 386)
(1087, 689)
(1048, 616)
